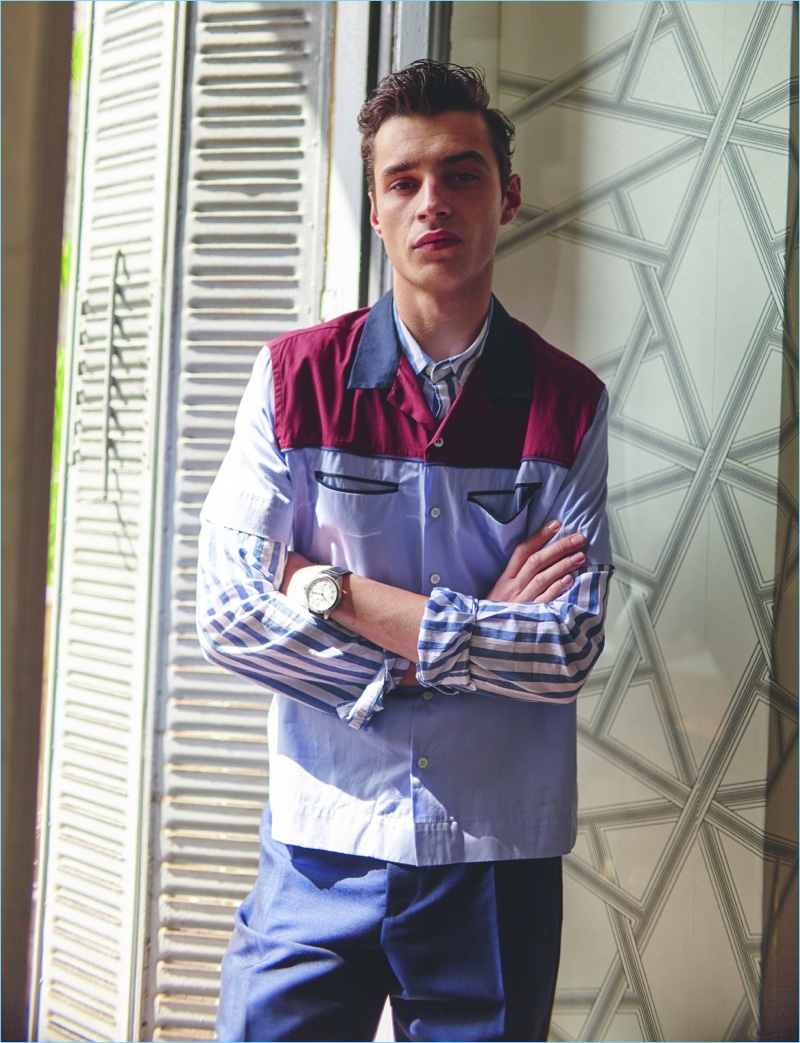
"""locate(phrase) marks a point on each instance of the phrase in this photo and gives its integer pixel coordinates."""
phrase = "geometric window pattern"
(653, 142)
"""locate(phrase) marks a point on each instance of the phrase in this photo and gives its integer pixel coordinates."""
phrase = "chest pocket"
(347, 483)
(355, 507)
(504, 505)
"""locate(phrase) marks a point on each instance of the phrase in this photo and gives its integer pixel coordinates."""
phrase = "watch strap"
(338, 571)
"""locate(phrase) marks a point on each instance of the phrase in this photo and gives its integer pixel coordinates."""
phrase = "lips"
(439, 240)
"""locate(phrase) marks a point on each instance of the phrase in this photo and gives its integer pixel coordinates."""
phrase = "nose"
(433, 200)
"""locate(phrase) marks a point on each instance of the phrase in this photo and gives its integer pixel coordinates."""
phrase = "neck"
(442, 326)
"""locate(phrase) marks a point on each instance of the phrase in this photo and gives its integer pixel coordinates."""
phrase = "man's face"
(438, 203)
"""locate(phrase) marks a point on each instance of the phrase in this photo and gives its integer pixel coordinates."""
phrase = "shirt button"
(427, 695)
(435, 512)
(439, 443)
(422, 763)
(435, 577)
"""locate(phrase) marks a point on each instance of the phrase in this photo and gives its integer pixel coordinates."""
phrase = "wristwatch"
(324, 591)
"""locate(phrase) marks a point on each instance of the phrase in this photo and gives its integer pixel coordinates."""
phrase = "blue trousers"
(465, 952)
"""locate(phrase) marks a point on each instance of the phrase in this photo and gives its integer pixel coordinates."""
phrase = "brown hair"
(428, 88)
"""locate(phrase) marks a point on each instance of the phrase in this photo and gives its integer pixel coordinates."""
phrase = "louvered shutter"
(203, 216)
(251, 267)
(93, 853)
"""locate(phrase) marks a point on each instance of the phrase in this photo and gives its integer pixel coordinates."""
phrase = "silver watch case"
(324, 590)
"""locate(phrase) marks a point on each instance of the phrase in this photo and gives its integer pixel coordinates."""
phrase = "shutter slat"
(255, 173)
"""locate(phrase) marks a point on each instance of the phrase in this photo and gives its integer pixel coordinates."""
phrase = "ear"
(374, 220)
(512, 200)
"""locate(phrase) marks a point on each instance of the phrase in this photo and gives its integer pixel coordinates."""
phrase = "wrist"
(294, 563)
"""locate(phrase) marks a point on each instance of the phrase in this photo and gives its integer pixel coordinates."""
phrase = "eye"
(464, 176)
(404, 185)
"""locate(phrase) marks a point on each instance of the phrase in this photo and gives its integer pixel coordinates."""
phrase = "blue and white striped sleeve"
(244, 623)
(532, 651)
(529, 651)
(247, 626)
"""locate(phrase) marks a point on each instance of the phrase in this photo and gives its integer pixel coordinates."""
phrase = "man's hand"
(539, 570)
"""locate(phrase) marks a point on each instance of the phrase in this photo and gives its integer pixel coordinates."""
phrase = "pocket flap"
(348, 483)
(505, 504)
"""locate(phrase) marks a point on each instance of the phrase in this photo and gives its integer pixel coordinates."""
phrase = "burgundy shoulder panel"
(315, 407)
(565, 398)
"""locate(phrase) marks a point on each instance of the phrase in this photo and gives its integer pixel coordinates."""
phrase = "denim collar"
(505, 360)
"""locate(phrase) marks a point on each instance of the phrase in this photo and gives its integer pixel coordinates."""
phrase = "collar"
(456, 364)
(505, 359)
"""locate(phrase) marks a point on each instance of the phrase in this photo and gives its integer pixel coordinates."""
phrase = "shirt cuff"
(444, 640)
(370, 701)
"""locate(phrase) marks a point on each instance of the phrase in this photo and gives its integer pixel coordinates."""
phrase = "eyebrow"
(446, 161)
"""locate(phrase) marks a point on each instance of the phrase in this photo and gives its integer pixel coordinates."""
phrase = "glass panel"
(653, 146)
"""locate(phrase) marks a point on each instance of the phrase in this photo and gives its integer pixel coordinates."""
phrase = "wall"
(653, 144)
(37, 47)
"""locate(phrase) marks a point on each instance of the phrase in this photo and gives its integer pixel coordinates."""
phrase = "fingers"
(539, 570)
(557, 576)
(509, 585)
(530, 546)
(540, 538)
(551, 582)
(555, 590)
(561, 555)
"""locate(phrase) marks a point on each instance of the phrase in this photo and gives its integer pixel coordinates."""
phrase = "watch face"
(322, 594)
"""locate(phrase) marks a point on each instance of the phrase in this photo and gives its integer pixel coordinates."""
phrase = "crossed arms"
(534, 636)
(391, 618)
(520, 648)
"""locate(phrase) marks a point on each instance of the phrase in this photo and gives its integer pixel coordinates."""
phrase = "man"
(425, 635)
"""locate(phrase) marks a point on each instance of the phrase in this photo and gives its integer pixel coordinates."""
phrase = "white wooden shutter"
(88, 939)
(252, 245)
